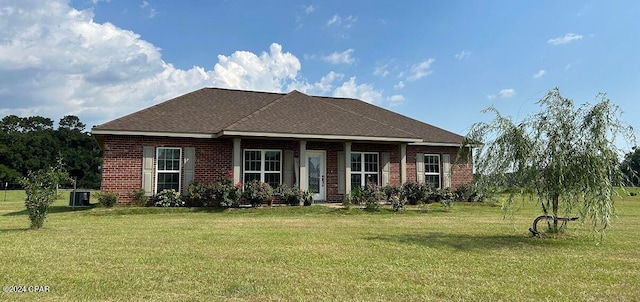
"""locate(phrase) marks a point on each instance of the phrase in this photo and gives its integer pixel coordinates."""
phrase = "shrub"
(40, 187)
(413, 193)
(199, 195)
(257, 192)
(468, 193)
(446, 204)
(291, 195)
(225, 193)
(138, 198)
(476, 197)
(356, 196)
(390, 191)
(438, 195)
(221, 193)
(108, 199)
(371, 195)
(168, 198)
(397, 203)
(463, 192)
(307, 197)
(346, 202)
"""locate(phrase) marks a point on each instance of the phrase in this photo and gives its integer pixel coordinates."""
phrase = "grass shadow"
(467, 242)
(2, 231)
(54, 209)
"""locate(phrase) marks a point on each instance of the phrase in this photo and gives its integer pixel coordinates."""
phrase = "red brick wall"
(461, 168)
(122, 161)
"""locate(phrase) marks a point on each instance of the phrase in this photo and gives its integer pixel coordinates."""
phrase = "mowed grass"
(314, 253)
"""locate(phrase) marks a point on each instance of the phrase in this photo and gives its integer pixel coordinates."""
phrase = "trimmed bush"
(413, 193)
(257, 192)
(221, 193)
(138, 198)
(108, 199)
(168, 198)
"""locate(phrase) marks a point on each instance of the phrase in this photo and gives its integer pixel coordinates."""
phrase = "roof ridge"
(263, 108)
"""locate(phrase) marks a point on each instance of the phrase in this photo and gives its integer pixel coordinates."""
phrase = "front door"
(317, 178)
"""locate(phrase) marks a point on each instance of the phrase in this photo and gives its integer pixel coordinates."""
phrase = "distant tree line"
(631, 166)
(32, 143)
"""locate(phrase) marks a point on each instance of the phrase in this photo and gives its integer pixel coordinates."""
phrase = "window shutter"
(147, 170)
(384, 156)
(446, 170)
(419, 167)
(341, 176)
(288, 167)
(189, 167)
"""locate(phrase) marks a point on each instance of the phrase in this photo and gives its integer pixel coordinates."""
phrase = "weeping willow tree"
(564, 157)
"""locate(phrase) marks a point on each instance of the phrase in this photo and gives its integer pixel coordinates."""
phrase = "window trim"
(363, 174)
(262, 171)
(158, 171)
(439, 173)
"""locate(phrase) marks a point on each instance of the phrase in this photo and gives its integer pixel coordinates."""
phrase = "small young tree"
(40, 187)
(566, 156)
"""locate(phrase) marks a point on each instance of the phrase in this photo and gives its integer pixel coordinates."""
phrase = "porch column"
(403, 163)
(237, 160)
(347, 168)
(304, 175)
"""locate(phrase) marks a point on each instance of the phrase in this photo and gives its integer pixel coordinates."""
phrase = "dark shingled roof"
(214, 110)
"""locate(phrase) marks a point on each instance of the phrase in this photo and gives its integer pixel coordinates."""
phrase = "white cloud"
(245, 70)
(322, 87)
(365, 92)
(382, 69)
(344, 57)
(345, 22)
(399, 86)
(310, 9)
(564, 39)
(396, 98)
(503, 94)
(539, 74)
(145, 5)
(334, 20)
(56, 60)
(420, 70)
(463, 55)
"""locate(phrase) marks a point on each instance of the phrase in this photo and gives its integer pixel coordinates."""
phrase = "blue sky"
(440, 62)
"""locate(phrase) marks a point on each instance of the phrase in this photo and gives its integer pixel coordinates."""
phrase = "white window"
(168, 168)
(432, 170)
(263, 165)
(364, 168)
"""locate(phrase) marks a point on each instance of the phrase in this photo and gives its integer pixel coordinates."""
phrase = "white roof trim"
(259, 134)
(320, 136)
(435, 144)
(152, 133)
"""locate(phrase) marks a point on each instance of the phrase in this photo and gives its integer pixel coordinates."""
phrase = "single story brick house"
(325, 144)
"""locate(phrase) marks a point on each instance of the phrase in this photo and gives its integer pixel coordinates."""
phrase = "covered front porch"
(328, 168)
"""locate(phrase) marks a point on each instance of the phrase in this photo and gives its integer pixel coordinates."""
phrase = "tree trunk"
(554, 201)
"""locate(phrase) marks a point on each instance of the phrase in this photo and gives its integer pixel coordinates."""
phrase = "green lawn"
(314, 253)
